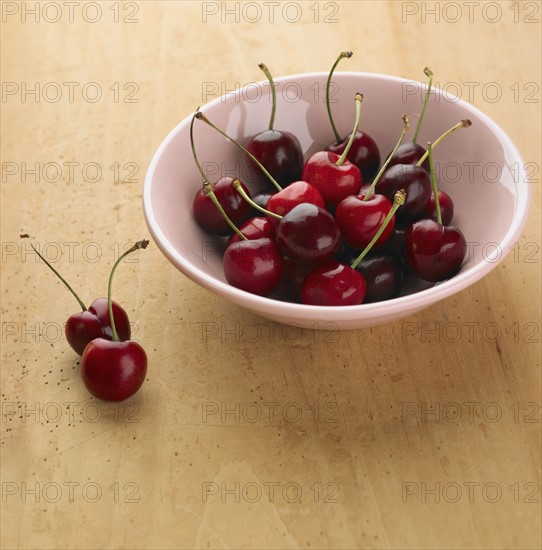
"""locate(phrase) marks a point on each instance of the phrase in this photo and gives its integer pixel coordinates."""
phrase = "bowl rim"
(417, 300)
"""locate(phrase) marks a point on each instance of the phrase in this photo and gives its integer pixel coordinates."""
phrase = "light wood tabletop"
(423, 433)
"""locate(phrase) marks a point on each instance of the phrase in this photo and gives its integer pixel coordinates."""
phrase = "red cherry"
(364, 153)
(359, 220)
(446, 208)
(383, 276)
(333, 284)
(206, 213)
(296, 193)
(254, 266)
(435, 252)
(261, 198)
(253, 229)
(308, 233)
(409, 153)
(113, 371)
(293, 275)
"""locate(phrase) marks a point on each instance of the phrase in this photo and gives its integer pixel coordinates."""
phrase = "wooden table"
(424, 433)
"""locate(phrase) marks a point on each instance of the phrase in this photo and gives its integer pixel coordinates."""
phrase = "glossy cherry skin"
(293, 275)
(280, 154)
(254, 266)
(446, 208)
(409, 153)
(254, 228)
(359, 220)
(416, 183)
(308, 233)
(113, 371)
(84, 326)
(434, 252)
(334, 182)
(364, 153)
(333, 284)
(296, 193)
(207, 215)
(261, 198)
(383, 276)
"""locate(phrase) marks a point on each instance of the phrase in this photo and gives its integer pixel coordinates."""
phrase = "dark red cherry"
(293, 275)
(383, 276)
(207, 215)
(416, 183)
(261, 198)
(254, 228)
(113, 370)
(84, 326)
(359, 220)
(434, 252)
(254, 266)
(364, 153)
(446, 208)
(296, 193)
(308, 233)
(409, 153)
(333, 284)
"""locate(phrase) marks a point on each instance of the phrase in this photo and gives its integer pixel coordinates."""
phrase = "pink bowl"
(479, 167)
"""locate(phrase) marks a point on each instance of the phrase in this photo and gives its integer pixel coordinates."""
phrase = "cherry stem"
(204, 176)
(208, 190)
(267, 72)
(199, 115)
(434, 181)
(398, 200)
(140, 244)
(429, 73)
(83, 307)
(461, 124)
(341, 56)
(238, 187)
(342, 158)
(371, 189)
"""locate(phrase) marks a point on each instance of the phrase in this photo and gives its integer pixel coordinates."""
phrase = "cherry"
(261, 198)
(446, 208)
(293, 275)
(91, 322)
(113, 370)
(411, 153)
(279, 151)
(253, 265)
(296, 193)
(308, 233)
(333, 175)
(364, 151)
(359, 217)
(205, 210)
(334, 283)
(434, 252)
(383, 276)
(254, 228)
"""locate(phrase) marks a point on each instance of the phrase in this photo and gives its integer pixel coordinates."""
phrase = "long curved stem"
(267, 72)
(140, 244)
(342, 158)
(461, 124)
(199, 115)
(238, 187)
(429, 73)
(342, 55)
(434, 181)
(371, 189)
(203, 175)
(83, 307)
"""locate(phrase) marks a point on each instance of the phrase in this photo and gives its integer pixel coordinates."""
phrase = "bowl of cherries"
(339, 199)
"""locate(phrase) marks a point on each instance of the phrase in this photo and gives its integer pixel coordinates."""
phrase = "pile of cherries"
(340, 228)
(113, 367)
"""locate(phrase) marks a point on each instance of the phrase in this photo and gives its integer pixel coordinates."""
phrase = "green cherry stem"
(429, 73)
(83, 307)
(140, 244)
(267, 72)
(203, 175)
(199, 115)
(342, 55)
(342, 158)
(461, 124)
(238, 187)
(434, 181)
(208, 190)
(398, 200)
(371, 189)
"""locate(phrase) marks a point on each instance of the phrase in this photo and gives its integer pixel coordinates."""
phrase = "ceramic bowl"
(479, 167)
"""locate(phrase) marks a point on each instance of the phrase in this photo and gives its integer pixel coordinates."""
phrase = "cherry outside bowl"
(479, 167)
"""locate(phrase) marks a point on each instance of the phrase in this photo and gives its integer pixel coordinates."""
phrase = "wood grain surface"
(424, 433)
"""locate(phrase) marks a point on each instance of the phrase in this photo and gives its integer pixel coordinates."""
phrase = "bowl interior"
(479, 167)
